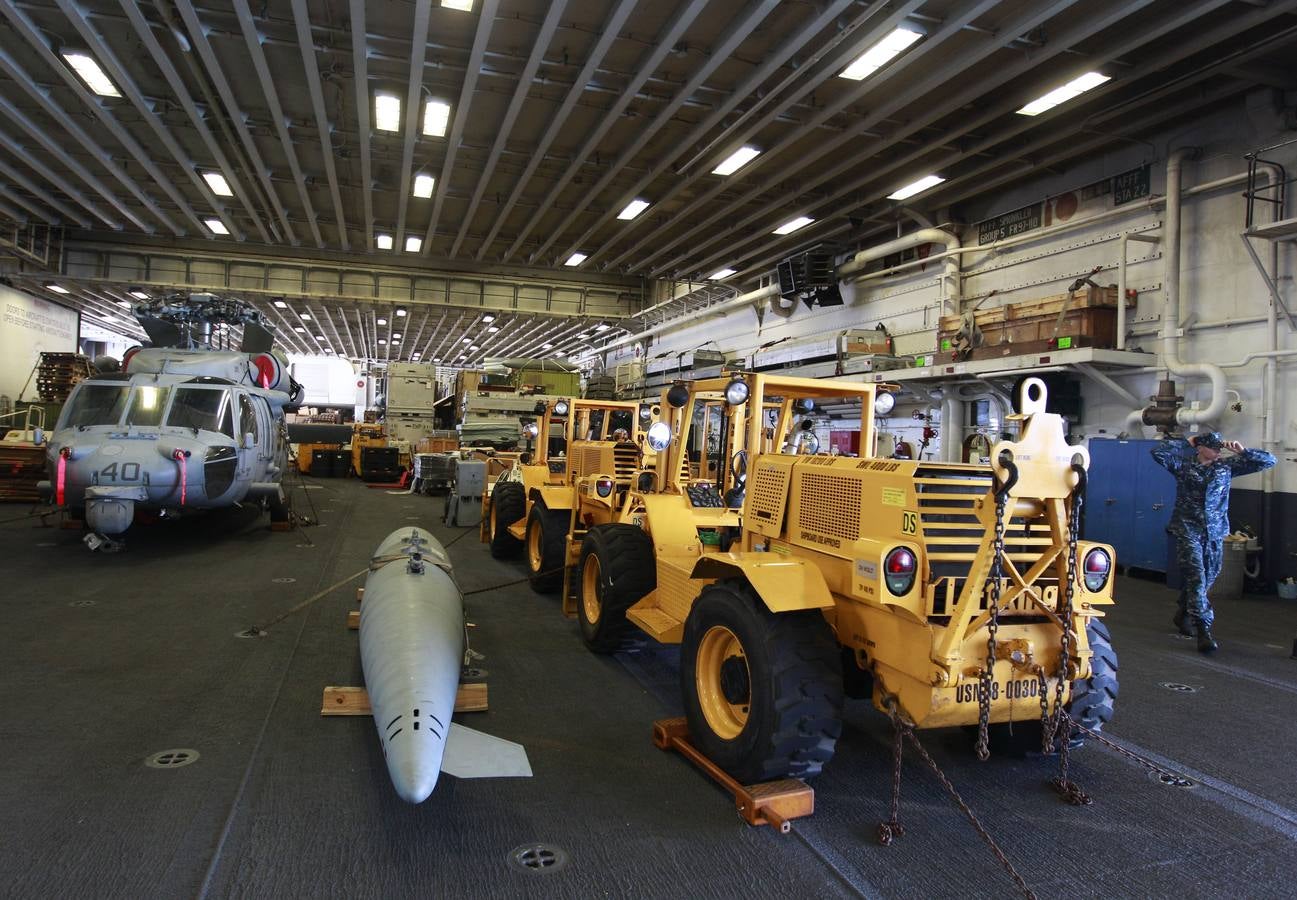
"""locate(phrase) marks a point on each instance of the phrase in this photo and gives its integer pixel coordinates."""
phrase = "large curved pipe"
(950, 279)
(1171, 306)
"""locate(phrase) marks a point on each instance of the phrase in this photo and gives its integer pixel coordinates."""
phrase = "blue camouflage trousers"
(1199, 558)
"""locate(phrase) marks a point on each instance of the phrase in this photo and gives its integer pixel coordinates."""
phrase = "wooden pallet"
(354, 701)
(773, 803)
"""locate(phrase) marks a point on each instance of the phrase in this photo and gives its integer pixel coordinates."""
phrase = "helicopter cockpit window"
(248, 418)
(202, 408)
(147, 404)
(96, 404)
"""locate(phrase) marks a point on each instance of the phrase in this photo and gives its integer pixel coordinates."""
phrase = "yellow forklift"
(954, 594)
(530, 505)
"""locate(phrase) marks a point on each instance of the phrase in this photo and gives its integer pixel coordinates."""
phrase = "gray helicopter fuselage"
(165, 442)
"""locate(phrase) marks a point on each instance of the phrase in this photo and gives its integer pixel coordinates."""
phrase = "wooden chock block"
(283, 526)
(772, 803)
(354, 701)
(360, 595)
(353, 619)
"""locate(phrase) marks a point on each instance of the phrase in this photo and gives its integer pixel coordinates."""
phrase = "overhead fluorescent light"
(467, 341)
(423, 185)
(281, 304)
(395, 341)
(387, 112)
(216, 226)
(436, 115)
(602, 327)
(465, 5)
(880, 54)
(124, 305)
(400, 313)
(319, 337)
(736, 160)
(382, 340)
(792, 225)
(396, 334)
(56, 288)
(139, 295)
(306, 316)
(488, 318)
(381, 321)
(493, 329)
(1073, 88)
(474, 347)
(916, 187)
(91, 74)
(216, 181)
(575, 259)
(299, 329)
(633, 209)
(383, 241)
(328, 349)
(547, 346)
(413, 244)
(720, 273)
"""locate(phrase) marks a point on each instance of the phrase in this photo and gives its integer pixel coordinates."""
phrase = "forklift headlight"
(645, 412)
(884, 403)
(531, 430)
(560, 408)
(603, 487)
(899, 569)
(659, 436)
(736, 392)
(1096, 568)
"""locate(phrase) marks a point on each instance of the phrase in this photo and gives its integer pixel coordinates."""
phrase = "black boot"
(1181, 625)
(1206, 643)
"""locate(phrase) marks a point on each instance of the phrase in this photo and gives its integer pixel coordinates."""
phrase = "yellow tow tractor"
(530, 506)
(957, 594)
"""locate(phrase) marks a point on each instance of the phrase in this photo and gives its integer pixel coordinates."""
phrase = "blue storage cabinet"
(1128, 502)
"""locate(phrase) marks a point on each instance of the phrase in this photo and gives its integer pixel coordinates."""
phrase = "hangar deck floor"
(109, 659)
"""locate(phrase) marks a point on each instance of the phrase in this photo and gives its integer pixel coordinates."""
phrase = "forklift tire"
(508, 505)
(762, 691)
(617, 570)
(1092, 702)
(546, 547)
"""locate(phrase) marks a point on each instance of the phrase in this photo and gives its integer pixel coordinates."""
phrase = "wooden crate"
(1090, 321)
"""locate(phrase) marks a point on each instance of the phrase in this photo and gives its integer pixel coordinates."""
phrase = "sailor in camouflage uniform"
(1201, 518)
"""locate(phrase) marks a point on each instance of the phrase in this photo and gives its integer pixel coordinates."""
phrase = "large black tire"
(546, 547)
(508, 505)
(1094, 699)
(617, 569)
(1092, 702)
(762, 691)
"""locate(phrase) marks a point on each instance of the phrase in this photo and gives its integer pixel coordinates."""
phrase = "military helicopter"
(185, 425)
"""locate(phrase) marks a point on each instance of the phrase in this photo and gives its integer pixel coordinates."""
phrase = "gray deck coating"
(285, 803)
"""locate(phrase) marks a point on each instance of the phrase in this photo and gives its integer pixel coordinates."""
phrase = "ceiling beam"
(607, 34)
(32, 159)
(95, 148)
(267, 83)
(662, 46)
(198, 39)
(539, 45)
(126, 85)
(181, 94)
(302, 18)
(413, 96)
(485, 21)
(42, 195)
(360, 81)
(716, 55)
(806, 80)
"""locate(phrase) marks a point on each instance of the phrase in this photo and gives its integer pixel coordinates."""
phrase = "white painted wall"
(1218, 282)
(30, 326)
